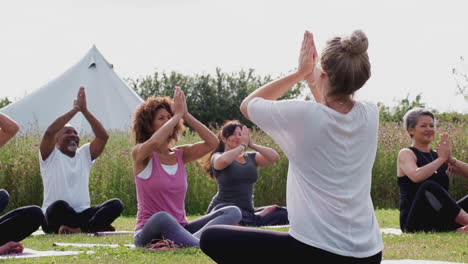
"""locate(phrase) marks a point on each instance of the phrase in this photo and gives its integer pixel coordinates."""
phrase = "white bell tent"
(108, 98)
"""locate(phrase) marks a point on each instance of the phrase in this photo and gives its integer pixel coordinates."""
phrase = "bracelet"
(245, 146)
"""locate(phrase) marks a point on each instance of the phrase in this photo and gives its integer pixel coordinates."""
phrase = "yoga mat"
(111, 233)
(276, 226)
(391, 231)
(31, 253)
(38, 233)
(413, 261)
(91, 245)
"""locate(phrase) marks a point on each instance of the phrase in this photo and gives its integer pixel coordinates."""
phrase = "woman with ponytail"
(236, 172)
(331, 146)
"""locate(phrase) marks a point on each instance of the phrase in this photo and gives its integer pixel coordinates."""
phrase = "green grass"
(429, 246)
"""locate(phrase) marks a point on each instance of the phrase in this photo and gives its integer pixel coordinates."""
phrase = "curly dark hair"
(226, 131)
(142, 124)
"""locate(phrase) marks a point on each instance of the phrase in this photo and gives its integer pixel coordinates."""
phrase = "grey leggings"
(164, 226)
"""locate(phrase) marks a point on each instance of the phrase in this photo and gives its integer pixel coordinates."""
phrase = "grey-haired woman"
(425, 204)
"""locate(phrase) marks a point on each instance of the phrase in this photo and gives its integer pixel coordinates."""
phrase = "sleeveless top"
(236, 183)
(162, 192)
(408, 188)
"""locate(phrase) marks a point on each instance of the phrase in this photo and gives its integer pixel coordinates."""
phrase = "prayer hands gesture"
(179, 105)
(80, 101)
(245, 136)
(308, 56)
(443, 150)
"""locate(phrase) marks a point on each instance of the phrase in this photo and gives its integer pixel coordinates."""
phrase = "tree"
(396, 113)
(462, 81)
(212, 99)
(4, 102)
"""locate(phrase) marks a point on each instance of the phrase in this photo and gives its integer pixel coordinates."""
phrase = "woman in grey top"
(236, 173)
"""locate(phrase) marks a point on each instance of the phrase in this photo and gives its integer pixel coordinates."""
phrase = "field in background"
(112, 176)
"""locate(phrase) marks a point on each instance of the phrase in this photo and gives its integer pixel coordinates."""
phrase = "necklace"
(424, 157)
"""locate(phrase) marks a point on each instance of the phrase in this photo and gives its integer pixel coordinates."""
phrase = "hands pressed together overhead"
(80, 101)
(308, 57)
(179, 105)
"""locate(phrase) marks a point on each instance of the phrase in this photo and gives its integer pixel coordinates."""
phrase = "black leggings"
(91, 220)
(18, 224)
(433, 210)
(4, 199)
(234, 244)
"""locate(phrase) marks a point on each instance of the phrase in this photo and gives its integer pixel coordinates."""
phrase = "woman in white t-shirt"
(331, 147)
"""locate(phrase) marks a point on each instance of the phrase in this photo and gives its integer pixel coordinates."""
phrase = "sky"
(413, 45)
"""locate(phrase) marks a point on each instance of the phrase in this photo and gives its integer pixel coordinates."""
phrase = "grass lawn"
(430, 246)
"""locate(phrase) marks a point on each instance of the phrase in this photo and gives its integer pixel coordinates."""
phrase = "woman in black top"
(425, 204)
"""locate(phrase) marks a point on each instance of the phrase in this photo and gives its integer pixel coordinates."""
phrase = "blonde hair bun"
(356, 43)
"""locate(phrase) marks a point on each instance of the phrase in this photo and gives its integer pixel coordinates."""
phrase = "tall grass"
(392, 138)
(111, 176)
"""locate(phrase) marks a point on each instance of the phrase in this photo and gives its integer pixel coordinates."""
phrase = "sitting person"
(331, 146)
(425, 204)
(65, 170)
(18, 224)
(236, 173)
(160, 175)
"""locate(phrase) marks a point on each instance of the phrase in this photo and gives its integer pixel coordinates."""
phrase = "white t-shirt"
(329, 176)
(67, 178)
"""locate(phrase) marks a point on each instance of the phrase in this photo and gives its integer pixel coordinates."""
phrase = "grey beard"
(72, 148)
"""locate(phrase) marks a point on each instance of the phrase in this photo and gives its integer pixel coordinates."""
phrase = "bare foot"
(268, 210)
(463, 229)
(11, 247)
(68, 230)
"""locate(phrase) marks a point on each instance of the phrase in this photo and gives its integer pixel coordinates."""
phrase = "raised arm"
(265, 156)
(142, 151)
(275, 89)
(226, 158)
(48, 139)
(8, 129)
(99, 142)
(209, 140)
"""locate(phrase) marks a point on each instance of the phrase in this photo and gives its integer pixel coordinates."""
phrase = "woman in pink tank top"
(160, 175)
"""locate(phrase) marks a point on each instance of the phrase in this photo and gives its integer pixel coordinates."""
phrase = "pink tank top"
(162, 192)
